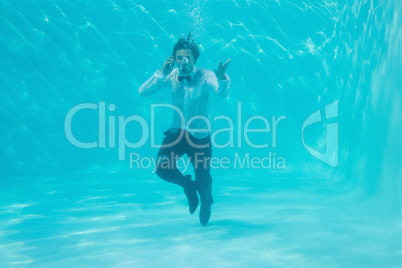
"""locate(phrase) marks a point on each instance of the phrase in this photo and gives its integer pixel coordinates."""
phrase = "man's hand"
(168, 65)
(220, 73)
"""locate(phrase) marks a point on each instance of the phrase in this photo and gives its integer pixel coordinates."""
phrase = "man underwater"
(189, 87)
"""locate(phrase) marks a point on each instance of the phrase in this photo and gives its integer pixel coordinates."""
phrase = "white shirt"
(191, 98)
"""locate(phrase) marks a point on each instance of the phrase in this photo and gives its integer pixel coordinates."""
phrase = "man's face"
(185, 61)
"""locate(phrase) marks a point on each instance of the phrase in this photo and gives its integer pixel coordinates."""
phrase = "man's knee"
(163, 166)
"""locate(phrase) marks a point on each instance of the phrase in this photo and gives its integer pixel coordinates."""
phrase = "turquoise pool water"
(328, 191)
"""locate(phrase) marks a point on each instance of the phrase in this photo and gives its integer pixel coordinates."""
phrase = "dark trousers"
(198, 151)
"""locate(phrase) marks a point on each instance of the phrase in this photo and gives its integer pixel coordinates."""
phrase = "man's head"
(186, 53)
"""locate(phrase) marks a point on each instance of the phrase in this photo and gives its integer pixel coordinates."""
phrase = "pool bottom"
(258, 220)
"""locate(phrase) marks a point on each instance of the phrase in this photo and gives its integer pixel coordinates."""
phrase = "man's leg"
(173, 147)
(200, 159)
(170, 150)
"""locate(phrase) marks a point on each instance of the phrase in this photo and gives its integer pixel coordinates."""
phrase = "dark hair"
(187, 43)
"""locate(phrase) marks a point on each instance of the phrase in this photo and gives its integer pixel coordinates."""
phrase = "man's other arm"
(221, 87)
(157, 82)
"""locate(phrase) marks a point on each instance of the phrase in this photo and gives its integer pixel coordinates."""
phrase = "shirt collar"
(191, 74)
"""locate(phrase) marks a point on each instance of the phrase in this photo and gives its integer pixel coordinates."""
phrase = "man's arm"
(159, 80)
(220, 81)
(221, 87)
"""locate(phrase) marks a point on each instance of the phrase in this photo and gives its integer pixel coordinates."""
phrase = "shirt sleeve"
(221, 87)
(157, 82)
